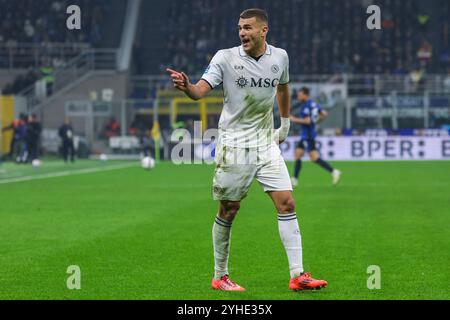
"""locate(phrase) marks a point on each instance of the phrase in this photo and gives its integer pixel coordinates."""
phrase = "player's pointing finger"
(172, 71)
(176, 76)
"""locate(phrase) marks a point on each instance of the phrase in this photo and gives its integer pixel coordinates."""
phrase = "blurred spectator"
(21, 139)
(423, 20)
(14, 144)
(137, 127)
(447, 81)
(28, 30)
(34, 130)
(112, 128)
(48, 77)
(67, 135)
(425, 53)
(416, 77)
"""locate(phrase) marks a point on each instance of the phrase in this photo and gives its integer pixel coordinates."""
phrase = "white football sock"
(292, 241)
(221, 240)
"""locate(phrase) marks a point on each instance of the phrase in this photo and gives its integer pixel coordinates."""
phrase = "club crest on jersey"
(275, 68)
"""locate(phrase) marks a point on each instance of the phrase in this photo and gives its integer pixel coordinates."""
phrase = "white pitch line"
(66, 173)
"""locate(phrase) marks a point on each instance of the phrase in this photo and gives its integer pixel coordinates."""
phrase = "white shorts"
(237, 167)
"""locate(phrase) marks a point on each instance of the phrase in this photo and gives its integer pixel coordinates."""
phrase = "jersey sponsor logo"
(264, 83)
(243, 82)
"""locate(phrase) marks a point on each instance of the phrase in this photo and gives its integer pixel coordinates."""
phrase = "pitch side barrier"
(391, 148)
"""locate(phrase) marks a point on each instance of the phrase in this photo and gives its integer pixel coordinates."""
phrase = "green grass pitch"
(139, 234)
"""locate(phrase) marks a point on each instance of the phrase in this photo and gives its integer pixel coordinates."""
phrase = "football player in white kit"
(253, 75)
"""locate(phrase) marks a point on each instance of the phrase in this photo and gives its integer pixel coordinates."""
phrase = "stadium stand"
(32, 39)
(319, 35)
(28, 21)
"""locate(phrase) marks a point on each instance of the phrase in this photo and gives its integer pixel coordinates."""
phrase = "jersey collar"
(242, 53)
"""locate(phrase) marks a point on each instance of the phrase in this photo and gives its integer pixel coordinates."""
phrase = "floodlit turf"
(139, 234)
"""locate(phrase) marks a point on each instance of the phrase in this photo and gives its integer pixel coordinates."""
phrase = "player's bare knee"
(287, 206)
(314, 157)
(299, 154)
(229, 210)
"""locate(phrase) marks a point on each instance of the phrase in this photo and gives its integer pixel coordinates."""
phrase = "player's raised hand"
(179, 79)
(181, 82)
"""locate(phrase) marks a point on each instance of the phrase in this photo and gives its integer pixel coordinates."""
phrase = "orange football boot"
(225, 284)
(306, 282)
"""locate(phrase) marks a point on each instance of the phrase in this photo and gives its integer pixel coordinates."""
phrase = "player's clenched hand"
(179, 79)
(282, 133)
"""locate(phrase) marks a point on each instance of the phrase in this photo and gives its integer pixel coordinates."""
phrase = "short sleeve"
(214, 72)
(285, 75)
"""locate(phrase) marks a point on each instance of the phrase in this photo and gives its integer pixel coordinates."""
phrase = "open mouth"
(245, 41)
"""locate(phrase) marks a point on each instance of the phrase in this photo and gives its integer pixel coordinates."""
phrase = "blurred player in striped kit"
(311, 114)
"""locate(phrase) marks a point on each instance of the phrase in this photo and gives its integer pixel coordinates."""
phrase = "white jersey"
(249, 88)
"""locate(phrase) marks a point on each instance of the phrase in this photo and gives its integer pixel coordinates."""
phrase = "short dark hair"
(305, 91)
(259, 14)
